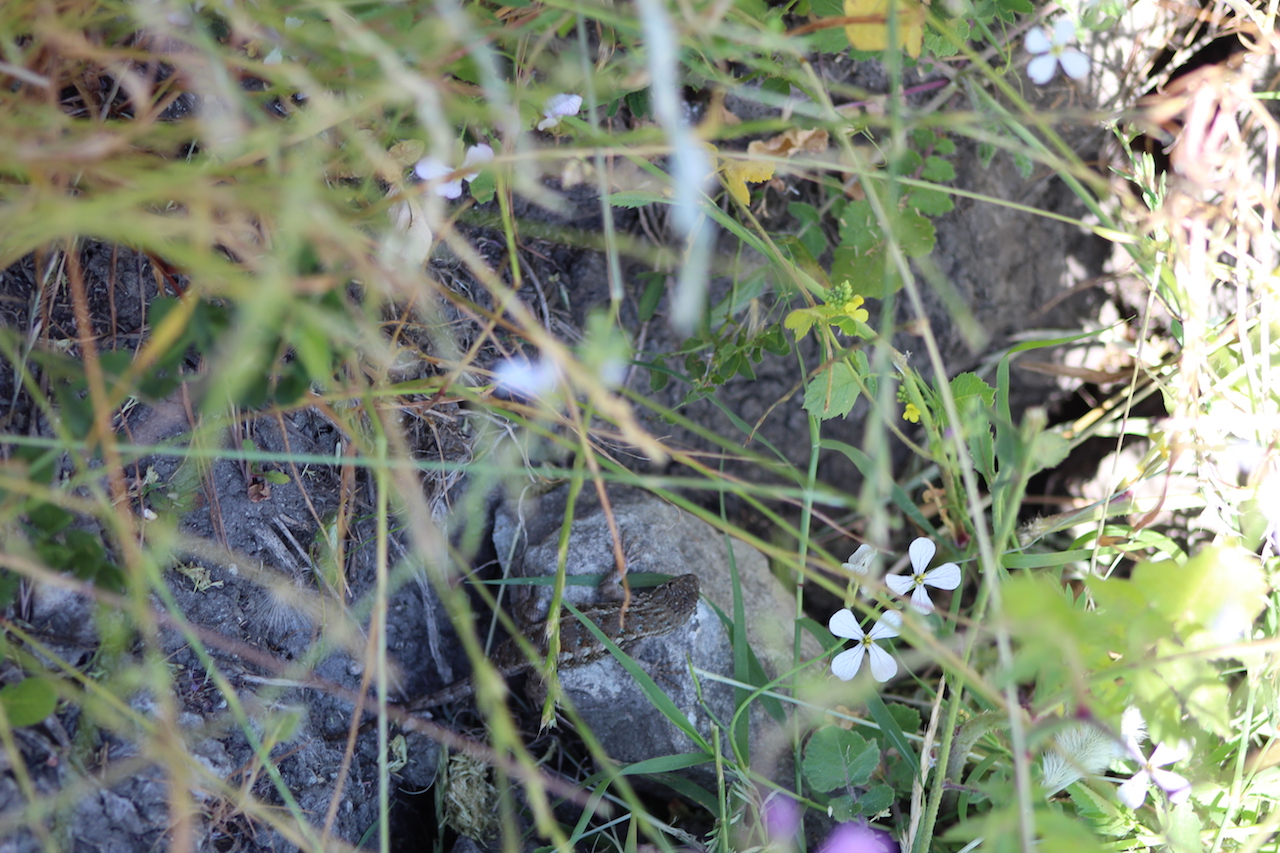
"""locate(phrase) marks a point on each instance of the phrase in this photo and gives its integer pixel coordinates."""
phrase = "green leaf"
(1099, 812)
(894, 736)
(843, 809)
(930, 202)
(859, 229)
(483, 187)
(47, 518)
(865, 269)
(915, 233)
(801, 320)
(875, 800)
(29, 701)
(655, 286)
(1218, 588)
(810, 234)
(941, 46)
(837, 758)
(831, 40)
(907, 719)
(970, 389)
(832, 393)
(638, 103)
(938, 170)
(1048, 451)
(636, 198)
(986, 153)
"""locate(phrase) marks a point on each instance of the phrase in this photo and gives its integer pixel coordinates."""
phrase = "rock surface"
(657, 537)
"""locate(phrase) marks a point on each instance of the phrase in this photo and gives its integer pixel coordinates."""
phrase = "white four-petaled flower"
(1049, 53)
(946, 576)
(846, 664)
(859, 561)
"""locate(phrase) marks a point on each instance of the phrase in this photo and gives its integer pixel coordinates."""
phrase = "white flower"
(526, 378)
(429, 170)
(946, 576)
(1050, 53)
(557, 107)
(1133, 729)
(860, 561)
(476, 155)
(846, 664)
(1134, 792)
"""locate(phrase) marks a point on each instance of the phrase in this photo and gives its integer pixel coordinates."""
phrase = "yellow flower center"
(911, 413)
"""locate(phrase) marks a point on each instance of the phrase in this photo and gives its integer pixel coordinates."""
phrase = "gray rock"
(657, 537)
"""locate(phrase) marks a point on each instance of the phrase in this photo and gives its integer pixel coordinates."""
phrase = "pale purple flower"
(781, 819)
(946, 576)
(1049, 53)
(430, 171)
(1134, 792)
(557, 107)
(846, 664)
(858, 838)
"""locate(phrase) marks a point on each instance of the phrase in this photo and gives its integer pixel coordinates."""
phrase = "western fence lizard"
(651, 614)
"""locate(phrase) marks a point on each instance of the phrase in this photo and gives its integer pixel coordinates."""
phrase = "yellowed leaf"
(407, 152)
(813, 141)
(873, 35)
(738, 173)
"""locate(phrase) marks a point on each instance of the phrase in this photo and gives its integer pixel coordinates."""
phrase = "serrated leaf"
(859, 229)
(832, 393)
(865, 270)
(836, 758)
(908, 719)
(938, 170)
(800, 321)
(942, 46)
(971, 389)
(29, 701)
(930, 202)
(1099, 812)
(831, 39)
(986, 153)
(915, 233)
